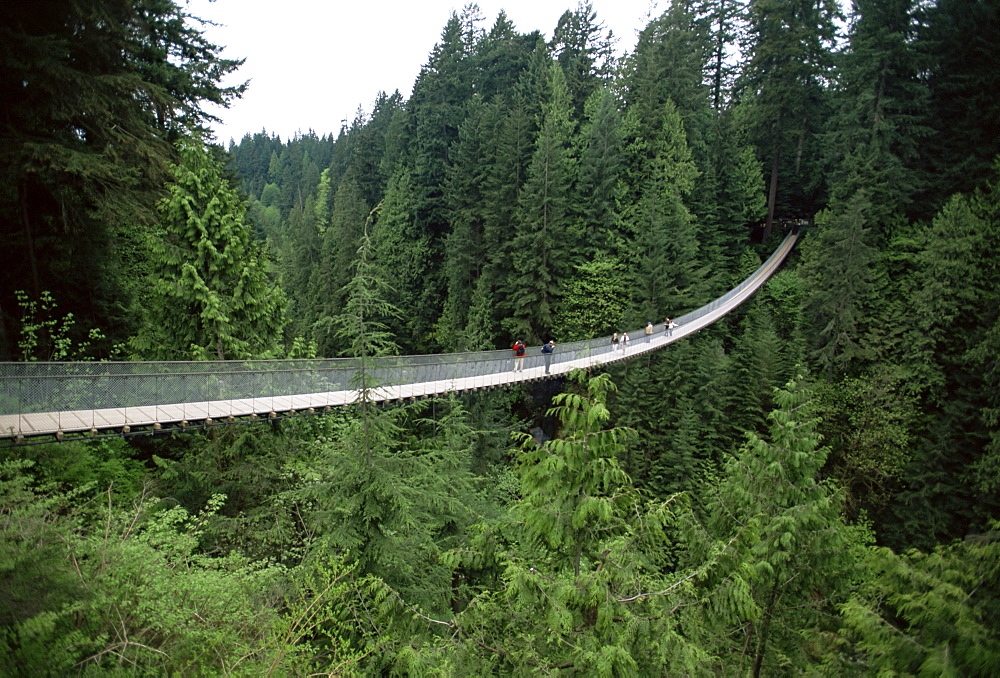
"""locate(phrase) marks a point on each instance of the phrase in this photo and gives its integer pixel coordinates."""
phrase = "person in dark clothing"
(547, 350)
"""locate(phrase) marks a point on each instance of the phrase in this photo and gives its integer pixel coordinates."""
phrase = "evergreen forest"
(810, 486)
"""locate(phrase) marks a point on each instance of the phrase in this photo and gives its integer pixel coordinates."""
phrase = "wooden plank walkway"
(20, 426)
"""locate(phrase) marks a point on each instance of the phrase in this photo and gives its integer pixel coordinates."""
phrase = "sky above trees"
(312, 65)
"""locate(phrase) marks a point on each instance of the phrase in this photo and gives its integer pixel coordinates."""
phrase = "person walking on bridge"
(649, 330)
(518, 349)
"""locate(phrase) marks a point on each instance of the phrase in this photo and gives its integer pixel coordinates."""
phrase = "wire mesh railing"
(28, 388)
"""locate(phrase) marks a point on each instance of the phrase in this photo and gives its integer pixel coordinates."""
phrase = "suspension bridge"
(57, 399)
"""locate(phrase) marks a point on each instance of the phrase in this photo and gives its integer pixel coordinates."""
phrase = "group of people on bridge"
(618, 341)
(520, 349)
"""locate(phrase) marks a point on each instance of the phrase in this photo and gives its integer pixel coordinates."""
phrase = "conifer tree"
(927, 613)
(491, 304)
(879, 123)
(300, 261)
(601, 186)
(400, 254)
(543, 254)
(435, 113)
(757, 369)
(340, 244)
(668, 64)
(666, 277)
(678, 403)
(390, 486)
(782, 101)
(725, 21)
(465, 248)
(94, 95)
(501, 57)
(211, 296)
(593, 301)
(955, 39)
(837, 270)
(580, 588)
(869, 421)
(782, 546)
(957, 291)
(583, 53)
(736, 182)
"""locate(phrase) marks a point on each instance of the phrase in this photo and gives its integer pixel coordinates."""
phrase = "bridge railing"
(36, 387)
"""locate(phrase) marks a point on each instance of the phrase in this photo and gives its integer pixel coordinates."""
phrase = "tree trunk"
(772, 192)
(29, 243)
(772, 600)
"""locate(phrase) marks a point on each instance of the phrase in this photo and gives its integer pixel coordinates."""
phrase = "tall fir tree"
(879, 124)
(394, 483)
(961, 69)
(666, 277)
(782, 99)
(837, 268)
(583, 52)
(341, 239)
(956, 291)
(211, 294)
(470, 162)
(401, 252)
(580, 588)
(600, 187)
(543, 253)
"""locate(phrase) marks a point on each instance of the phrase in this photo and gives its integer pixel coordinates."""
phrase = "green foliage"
(956, 297)
(837, 269)
(666, 276)
(600, 188)
(337, 256)
(778, 548)
(879, 127)
(543, 249)
(211, 296)
(582, 52)
(571, 484)
(34, 579)
(248, 464)
(579, 589)
(869, 424)
(954, 39)
(678, 403)
(366, 322)
(107, 463)
(94, 94)
(112, 589)
(389, 492)
(46, 337)
(592, 301)
(400, 257)
(929, 613)
(782, 98)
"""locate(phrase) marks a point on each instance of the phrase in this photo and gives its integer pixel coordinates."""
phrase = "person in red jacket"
(518, 349)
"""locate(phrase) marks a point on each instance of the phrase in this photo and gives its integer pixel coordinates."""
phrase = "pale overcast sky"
(313, 63)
